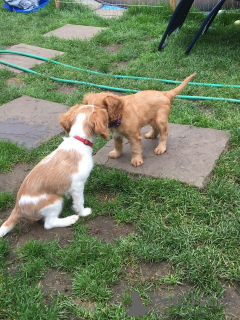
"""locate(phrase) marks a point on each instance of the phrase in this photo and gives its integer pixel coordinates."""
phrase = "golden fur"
(137, 110)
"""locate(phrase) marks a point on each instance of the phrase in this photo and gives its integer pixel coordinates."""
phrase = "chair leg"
(206, 24)
(176, 21)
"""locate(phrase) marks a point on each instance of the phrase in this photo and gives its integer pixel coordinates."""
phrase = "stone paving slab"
(109, 13)
(91, 3)
(30, 121)
(191, 155)
(71, 31)
(27, 62)
(103, 10)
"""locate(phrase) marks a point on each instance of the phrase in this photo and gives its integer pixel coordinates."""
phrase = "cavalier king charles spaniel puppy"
(64, 171)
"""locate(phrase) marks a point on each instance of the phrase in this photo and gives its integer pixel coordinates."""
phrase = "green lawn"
(196, 232)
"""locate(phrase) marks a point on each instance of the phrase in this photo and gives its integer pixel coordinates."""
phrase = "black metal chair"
(179, 17)
(176, 20)
(206, 24)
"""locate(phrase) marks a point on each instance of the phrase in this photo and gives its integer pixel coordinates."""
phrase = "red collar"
(85, 141)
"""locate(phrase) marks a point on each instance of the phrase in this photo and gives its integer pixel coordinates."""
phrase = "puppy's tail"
(172, 93)
(10, 223)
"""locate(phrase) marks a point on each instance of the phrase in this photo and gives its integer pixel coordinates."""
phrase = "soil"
(86, 304)
(66, 89)
(114, 48)
(106, 229)
(15, 82)
(122, 65)
(55, 283)
(151, 271)
(27, 230)
(12, 180)
(232, 296)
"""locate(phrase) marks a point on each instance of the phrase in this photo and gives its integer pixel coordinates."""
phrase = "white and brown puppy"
(64, 171)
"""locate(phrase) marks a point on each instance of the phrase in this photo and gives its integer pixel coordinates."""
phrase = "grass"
(195, 231)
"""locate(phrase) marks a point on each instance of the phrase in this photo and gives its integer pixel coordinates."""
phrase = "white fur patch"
(25, 200)
(52, 210)
(4, 230)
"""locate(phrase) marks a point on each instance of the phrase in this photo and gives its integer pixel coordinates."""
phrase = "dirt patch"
(207, 110)
(122, 65)
(106, 196)
(11, 181)
(114, 48)
(156, 270)
(181, 295)
(27, 230)
(232, 300)
(66, 89)
(56, 282)
(106, 229)
(15, 82)
(139, 273)
(149, 39)
(164, 296)
(118, 290)
(91, 306)
(36, 231)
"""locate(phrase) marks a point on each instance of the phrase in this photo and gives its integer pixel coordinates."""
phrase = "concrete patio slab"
(71, 31)
(30, 121)
(191, 155)
(91, 3)
(27, 62)
(109, 13)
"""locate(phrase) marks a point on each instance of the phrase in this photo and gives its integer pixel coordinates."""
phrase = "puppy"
(128, 114)
(64, 171)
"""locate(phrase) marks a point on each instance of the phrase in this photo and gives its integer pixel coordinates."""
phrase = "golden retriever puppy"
(128, 114)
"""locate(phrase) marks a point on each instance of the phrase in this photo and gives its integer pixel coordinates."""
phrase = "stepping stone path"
(27, 62)
(109, 12)
(191, 155)
(71, 31)
(91, 3)
(103, 10)
(29, 121)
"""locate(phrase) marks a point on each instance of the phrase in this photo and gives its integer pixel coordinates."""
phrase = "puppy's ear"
(99, 122)
(67, 119)
(114, 107)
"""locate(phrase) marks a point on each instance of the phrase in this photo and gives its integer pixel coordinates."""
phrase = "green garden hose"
(115, 76)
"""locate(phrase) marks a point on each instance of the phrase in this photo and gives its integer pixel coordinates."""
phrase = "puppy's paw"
(136, 162)
(85, 212)
(114, 154)
(73, 219)
(160, 150)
